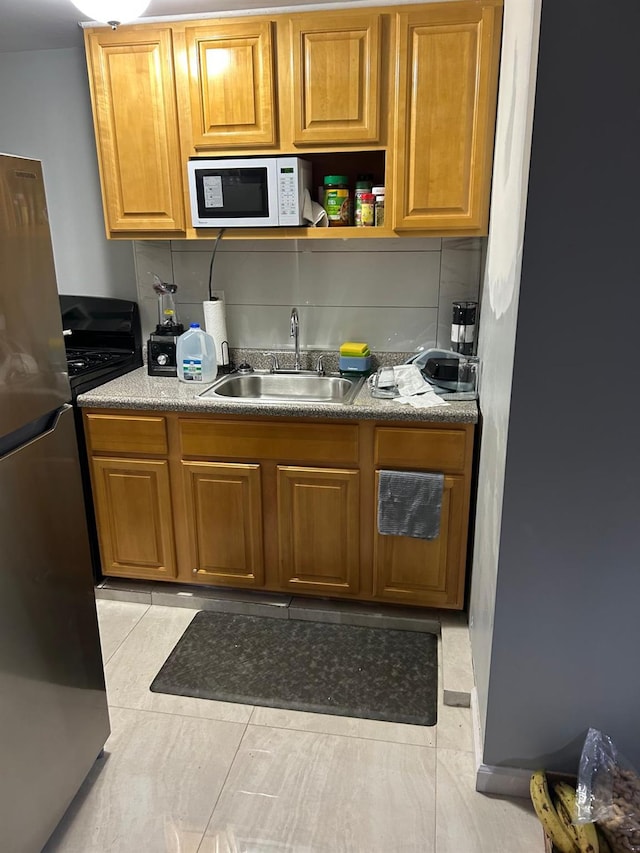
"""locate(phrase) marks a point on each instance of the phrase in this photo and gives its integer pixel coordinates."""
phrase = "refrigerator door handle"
(35, 431)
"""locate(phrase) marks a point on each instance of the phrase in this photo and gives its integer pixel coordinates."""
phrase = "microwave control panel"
(294, 177)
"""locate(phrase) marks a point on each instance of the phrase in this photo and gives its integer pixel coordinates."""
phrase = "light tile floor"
(185, 775)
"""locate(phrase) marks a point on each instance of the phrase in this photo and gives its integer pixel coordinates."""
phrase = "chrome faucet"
(275, 364)
(295, 334)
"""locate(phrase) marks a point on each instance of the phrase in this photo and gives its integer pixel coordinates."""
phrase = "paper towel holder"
(228, 367)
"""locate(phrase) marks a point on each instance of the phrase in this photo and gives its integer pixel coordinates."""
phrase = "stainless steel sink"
(287, 388)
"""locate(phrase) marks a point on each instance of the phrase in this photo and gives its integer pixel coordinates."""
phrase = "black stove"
(102, 337)
(81, 361)
(103, 341)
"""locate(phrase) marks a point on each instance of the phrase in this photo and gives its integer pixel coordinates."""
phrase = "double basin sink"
(293, 387)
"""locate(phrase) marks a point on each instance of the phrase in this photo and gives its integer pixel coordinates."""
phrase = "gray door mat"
(350, 671)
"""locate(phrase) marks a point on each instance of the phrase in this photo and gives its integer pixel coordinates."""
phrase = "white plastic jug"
(196, 356)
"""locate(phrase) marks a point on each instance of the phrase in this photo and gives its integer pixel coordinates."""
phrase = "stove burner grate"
(82, 361)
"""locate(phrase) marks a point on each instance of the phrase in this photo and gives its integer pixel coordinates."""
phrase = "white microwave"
(248, 192)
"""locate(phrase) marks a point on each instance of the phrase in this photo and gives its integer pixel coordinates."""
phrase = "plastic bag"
(608, 793)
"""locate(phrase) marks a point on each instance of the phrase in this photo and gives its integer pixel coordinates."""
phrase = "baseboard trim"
(475, 725)
(501, 781)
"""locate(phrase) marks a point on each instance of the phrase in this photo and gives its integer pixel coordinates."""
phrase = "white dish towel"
(314, 213)
(413, 388)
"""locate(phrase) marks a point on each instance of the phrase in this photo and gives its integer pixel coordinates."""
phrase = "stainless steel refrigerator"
(53, 711)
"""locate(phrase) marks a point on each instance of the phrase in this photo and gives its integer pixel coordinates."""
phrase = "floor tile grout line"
(250, 722)
(203, 719)
(324, 734)
(342, 734)
(144, 615)
(179, 714)
(222, 787)
(105, 662)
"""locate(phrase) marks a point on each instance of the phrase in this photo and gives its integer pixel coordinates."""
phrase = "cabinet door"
(224, 513)
(231, 85)
(134, 109)
(318, 529)
(132, 499)
(447, 86)
(420, 571)
(336, 78)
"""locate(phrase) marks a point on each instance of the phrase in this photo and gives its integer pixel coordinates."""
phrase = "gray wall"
(394, 294)
(45, 113)
(566, 635)
(499, 314)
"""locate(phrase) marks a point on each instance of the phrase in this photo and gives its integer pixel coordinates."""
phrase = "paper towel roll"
(215, 324)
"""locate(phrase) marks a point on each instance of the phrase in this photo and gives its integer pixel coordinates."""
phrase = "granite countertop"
(138, 390)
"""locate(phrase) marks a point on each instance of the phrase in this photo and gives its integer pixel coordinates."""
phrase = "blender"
(161, 347)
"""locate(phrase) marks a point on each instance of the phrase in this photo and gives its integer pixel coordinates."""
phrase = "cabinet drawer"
(435, 449)
(126, 434)
(268, 440)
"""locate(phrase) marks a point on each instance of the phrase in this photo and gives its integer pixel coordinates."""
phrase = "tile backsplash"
(394, 294)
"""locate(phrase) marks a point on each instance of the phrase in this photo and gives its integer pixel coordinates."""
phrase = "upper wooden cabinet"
(445, 111)
(335, 78)
(407, 93)
(231, 91)
(135, 117)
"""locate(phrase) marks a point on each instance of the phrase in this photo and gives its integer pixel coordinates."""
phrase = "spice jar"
(378, 193)
(363, 185)
(337, 200)
(367, 209)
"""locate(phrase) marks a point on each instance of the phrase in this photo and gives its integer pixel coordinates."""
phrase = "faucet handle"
(320, 365)
(275, 364)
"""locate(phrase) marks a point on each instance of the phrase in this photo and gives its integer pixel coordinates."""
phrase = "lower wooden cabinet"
(421, 571)
(275, 504)
(224, 522)
(132, 499)
(318, 529)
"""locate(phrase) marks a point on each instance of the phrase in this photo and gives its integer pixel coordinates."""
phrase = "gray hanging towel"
(409, 504)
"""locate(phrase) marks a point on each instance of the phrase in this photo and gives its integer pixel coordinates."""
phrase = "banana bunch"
(556, 814)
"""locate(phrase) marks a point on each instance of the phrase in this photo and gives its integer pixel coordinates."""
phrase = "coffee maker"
(463, 327)
(162, 344)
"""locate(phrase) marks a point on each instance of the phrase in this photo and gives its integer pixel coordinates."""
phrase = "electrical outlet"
(218, 294)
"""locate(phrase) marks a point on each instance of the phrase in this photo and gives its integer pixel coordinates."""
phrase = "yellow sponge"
(352, 349)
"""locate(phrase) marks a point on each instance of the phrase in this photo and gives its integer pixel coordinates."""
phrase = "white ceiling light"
(112, 12)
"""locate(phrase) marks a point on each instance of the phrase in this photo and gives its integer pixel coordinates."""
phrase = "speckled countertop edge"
(138, 390)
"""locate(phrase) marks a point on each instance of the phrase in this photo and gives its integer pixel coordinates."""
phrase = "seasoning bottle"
(363, 185)
(378, 193)
(337, 201)
(367, 209)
